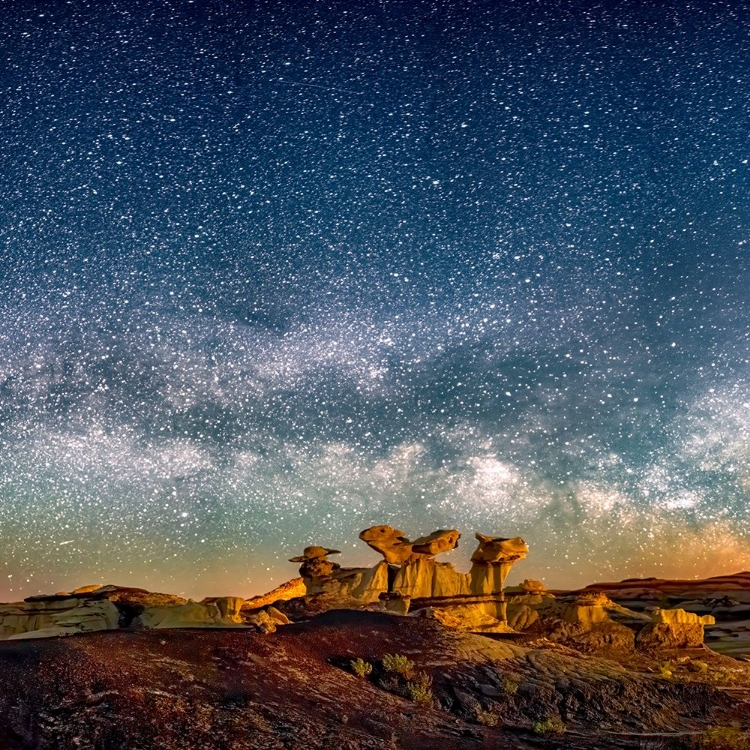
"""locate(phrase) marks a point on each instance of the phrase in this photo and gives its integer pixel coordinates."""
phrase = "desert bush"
(723, 738)
(398, 664)
(551, 725)
(510, 683)
(360, 667)
(420, 689)
(487, 718)
(666, 670)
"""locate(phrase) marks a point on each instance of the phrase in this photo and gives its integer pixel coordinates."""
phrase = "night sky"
(273, 272)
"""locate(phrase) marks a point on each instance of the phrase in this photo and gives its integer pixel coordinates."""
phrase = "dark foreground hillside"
(294, 689)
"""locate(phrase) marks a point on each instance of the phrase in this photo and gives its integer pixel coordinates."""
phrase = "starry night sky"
(274, 272)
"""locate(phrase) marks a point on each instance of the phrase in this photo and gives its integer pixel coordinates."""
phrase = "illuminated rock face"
(497, 549)
(398, 550)
(488, 578)
(230, 608)
(491, 563)
(681, 617)
(443, 540)
(216, 613)
(673, 628)
(390, 542)
(424, 578)
(288, 590)
(471, 617)
(326, 580)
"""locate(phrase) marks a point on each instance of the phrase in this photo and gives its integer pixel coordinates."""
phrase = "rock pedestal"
(424, 578)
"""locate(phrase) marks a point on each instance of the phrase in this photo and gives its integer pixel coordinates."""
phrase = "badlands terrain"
(407, 654)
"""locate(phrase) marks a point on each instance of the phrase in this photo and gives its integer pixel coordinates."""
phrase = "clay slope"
(294, 689)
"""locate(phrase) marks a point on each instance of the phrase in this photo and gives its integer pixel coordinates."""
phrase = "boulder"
(263, 622)
(397, 603)
(530, 586)
(673, 628)
(436, 543)
(279, 617)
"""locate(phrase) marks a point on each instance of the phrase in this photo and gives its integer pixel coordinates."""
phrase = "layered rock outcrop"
(56, 616)
(220, 612)
(90, 609)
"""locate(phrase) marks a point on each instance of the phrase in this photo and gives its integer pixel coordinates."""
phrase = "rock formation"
(397, 549)
(90, 609)
(315, 562)
(443, 540)
(331, 585)
(423, 577)
(497, 549)
(56, 616)
(288, 590)
(267, 620)
(673, 628)
(349, 586)
(221, 612)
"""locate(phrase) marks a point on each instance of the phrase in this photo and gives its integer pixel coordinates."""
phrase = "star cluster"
(272, 273)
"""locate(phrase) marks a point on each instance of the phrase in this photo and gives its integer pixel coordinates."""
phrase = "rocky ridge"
(481, 665)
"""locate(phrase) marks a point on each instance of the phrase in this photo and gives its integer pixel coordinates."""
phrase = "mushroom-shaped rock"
(436, 543)
(314, 552)
(492, 561)
(496, 549)
(315, 563)
(397, 549)
(390, 542)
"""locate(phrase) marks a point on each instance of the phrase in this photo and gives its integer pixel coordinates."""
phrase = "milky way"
(274, 272)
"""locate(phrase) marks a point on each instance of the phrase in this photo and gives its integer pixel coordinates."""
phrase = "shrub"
(552, 725)
(487, 718)
(698, 666)
(510, 683)
(398, 664)
(420, 689)
(360, 667)
(723, 738)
